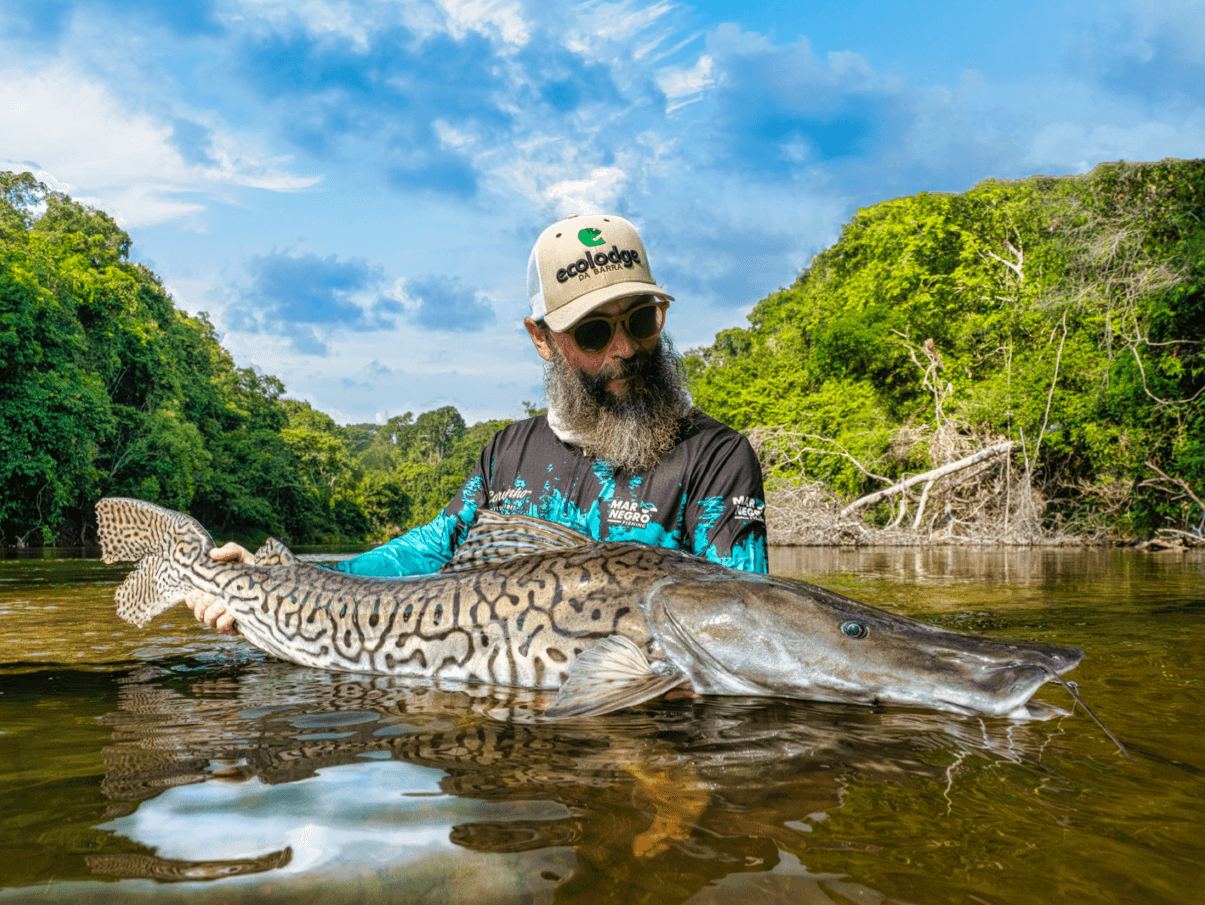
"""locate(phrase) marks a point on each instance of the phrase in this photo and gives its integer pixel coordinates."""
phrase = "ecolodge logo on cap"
(604, 261)
(578, 265)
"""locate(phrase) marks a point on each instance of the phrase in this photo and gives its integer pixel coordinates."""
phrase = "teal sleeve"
(749, 554)
(427, 548)
(420, 551)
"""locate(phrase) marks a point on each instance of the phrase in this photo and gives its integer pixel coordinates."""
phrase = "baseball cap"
(581, 263)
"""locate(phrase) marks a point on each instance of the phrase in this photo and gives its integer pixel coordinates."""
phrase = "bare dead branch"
(1183, 485)
(1050, 395)
(932, 475)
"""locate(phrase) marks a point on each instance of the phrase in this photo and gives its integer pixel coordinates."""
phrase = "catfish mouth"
(1004, 690)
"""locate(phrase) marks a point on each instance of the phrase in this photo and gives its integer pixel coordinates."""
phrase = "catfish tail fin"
(163, 543)
(129, 529)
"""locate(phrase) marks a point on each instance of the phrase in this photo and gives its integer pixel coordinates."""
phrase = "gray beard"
(632, 431)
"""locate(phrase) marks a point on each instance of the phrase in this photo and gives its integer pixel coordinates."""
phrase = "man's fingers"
(211, 611)
(197, 602)
(224, 623)
(232, 552)
(218, 618)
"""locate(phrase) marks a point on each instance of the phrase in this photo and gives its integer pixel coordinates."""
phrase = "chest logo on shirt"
(620, 512)
(751, 509)
(510, 499)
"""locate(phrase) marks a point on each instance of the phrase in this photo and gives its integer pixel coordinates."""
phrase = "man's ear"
(539, 338)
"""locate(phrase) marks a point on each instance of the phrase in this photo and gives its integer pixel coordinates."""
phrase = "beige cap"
(581, 263)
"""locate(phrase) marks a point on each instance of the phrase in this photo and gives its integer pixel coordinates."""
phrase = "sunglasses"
(642, 323)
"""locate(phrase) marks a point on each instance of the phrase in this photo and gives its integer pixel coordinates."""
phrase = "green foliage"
(1077, 302)
(1069, 310)
(107, 389)
(413, 467)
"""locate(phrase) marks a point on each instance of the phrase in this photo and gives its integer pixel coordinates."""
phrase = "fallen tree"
(928, 478)
(977, 498)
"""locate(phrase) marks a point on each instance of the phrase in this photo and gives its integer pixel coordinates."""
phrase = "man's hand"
(209, 609)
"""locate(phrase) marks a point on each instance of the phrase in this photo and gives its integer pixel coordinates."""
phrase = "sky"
(350, 189)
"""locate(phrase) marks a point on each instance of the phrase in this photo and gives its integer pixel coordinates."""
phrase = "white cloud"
(1082, 147)
(505, 17)
(1182, 22)
(451, 137)
(124, 161)
(596, 192)
(604, 31)
(682, 84)
(359, 22)
(353, 21)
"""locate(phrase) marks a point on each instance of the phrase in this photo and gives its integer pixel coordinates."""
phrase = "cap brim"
(568, 315)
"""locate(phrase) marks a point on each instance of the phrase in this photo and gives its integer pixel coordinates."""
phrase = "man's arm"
(428, 548)
(725, 516)
(420, 551)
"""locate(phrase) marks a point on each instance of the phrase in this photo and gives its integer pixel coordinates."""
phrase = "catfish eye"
(854, 630)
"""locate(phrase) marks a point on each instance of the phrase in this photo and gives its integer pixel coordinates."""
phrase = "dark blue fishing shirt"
(704, 497)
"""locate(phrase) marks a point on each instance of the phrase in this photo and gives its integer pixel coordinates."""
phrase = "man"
(621, 454)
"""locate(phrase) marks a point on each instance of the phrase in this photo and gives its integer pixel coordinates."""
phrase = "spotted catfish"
(532, 604)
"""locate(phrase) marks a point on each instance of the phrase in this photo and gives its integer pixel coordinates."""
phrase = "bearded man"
(621, 454)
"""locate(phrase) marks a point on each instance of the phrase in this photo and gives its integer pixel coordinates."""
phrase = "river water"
(170, 763)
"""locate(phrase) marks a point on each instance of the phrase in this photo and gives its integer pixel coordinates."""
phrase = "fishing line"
(1072, 689)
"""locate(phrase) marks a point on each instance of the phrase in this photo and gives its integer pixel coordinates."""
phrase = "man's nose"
(622, 345)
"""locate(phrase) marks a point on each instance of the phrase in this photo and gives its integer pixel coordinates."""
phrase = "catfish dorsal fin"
(495, 537)
(611, 675)
(275, 553)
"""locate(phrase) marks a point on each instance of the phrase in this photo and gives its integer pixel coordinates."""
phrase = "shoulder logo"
(749, 509)
(591, 237)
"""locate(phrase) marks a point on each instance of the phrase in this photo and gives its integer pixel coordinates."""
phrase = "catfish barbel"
(532, 604)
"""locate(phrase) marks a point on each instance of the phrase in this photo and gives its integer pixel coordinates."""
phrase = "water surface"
(172, 763)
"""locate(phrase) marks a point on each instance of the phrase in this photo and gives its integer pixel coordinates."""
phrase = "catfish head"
(756, 635)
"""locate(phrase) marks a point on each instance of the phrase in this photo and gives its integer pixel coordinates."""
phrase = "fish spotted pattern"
(609, 625)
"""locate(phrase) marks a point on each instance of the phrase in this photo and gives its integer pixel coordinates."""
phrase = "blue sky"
(350, 188)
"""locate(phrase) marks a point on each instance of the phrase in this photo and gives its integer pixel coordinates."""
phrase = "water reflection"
(266, 782)
(675, 795)
(1017, 567)
(135, 865)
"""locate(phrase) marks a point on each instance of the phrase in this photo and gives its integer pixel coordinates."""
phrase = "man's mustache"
(642, 364)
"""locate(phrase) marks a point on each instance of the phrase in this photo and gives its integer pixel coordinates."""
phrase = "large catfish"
(529, 603)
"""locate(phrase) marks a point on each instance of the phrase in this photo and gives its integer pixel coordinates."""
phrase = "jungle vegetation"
(1059, 321)
(1056, 323)
(107, 389)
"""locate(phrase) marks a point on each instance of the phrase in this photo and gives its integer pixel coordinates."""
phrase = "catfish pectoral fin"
(611, 675)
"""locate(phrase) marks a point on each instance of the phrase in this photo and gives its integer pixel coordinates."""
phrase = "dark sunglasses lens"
(593, 335)
(645, 322)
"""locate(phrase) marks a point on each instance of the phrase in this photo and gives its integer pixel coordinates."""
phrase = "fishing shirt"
(705, 497)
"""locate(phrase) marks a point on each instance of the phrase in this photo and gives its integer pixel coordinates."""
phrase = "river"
(171, 763)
